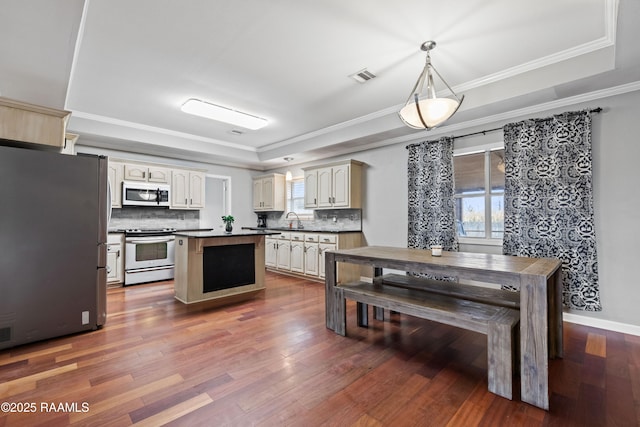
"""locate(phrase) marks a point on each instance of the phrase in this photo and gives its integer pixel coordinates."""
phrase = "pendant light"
(288, 175)
(427, 111)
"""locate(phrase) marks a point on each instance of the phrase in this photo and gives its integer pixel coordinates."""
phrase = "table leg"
(555, 315)
(534, 344)
(329, 287)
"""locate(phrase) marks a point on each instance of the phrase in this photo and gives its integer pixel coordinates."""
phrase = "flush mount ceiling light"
(223, 114)
(427, 111)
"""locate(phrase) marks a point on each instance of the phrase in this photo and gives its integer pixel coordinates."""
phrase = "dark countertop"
(214, 233)
(303, 230)
(121, 230)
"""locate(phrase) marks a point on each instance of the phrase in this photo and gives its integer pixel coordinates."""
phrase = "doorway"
(217, 201)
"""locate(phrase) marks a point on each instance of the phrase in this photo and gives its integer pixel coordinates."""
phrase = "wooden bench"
(491, 296)
(498, 323)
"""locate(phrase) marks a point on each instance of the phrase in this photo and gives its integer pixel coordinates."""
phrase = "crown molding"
(157, 130)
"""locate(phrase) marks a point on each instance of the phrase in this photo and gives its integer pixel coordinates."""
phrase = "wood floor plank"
(176, 411)
(271, 361)
(596, 345)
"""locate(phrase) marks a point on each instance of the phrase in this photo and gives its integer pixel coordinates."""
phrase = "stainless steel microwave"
(145, 194)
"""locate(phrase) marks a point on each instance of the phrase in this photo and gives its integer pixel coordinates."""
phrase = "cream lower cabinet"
(270, 252)
(322, 249)
(297, 252)
(303, 253)
(311, 259)
(115, 256)
(283, 252)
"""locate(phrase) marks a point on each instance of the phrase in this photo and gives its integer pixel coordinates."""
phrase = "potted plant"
(228, 220)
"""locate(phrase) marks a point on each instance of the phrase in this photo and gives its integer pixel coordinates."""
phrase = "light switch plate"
(85, 317)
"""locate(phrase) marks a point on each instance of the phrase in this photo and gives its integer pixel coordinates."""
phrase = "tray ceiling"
(124, 68)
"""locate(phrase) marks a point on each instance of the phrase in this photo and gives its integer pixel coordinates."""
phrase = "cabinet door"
(270, 252)
(284, 255)
(311, 259)
(325, 188)
(158, 174)
(323, 248)
(116, 171)
(311, 189)
(340, 186)
(196, 190)
(133, 172)
(257, 194)
(114, 264)
(179, 189)
(297, 256)
(267, 193)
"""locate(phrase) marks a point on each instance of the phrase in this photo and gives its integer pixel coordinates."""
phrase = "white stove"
(149, 255)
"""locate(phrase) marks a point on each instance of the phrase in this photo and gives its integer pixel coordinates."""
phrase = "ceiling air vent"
(363, 76)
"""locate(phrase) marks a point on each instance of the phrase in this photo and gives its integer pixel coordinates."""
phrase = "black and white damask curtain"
(549, 202)
(431, 201)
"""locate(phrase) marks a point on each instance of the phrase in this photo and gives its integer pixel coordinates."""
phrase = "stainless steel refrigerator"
(53, 232)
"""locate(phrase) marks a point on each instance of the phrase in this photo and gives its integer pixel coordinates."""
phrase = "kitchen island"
(214, 265)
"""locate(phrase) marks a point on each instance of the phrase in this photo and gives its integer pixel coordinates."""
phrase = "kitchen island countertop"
(215, 233)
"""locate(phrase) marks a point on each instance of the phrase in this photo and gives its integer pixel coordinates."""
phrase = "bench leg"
(501, 342)
(362, 314)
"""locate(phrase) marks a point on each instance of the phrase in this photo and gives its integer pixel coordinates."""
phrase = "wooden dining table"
(539, 281)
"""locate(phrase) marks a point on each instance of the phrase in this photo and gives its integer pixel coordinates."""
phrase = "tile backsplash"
(325, 219)
(149, 217)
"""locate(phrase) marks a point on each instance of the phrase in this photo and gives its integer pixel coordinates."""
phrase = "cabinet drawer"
(283, 236)
(328, 238)
(115, 238)
(311, 238)
(297, 237)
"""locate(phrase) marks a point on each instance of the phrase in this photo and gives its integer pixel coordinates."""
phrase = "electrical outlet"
(85, 317)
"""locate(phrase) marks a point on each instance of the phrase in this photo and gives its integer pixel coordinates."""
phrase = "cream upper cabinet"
(116, 173)
(20, 121)
(337, 185)
(146, 173)
(269, 193)
(311, 189)
(187, 189)
(196, 190)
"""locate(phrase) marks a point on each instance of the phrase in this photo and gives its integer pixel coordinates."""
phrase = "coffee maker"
(262, 220)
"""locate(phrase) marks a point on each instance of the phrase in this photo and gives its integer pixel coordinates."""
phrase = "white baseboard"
(584, 320)
(609, 325)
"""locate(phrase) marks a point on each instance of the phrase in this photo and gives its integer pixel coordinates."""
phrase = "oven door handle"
(150, 240)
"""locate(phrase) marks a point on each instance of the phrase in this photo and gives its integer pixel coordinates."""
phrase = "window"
(295, 198)
(479, 194)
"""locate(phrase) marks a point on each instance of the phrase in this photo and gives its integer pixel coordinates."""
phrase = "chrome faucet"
(299, 226)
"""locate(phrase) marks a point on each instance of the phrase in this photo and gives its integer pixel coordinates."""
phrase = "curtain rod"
(484, 132)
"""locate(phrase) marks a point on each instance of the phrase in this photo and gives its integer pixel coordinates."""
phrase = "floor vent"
(363, 76)
(5, 334)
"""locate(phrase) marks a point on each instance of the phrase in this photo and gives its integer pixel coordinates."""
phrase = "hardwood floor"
(271, 361)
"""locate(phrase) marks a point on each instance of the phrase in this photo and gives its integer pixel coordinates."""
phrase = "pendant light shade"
(425, 110)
